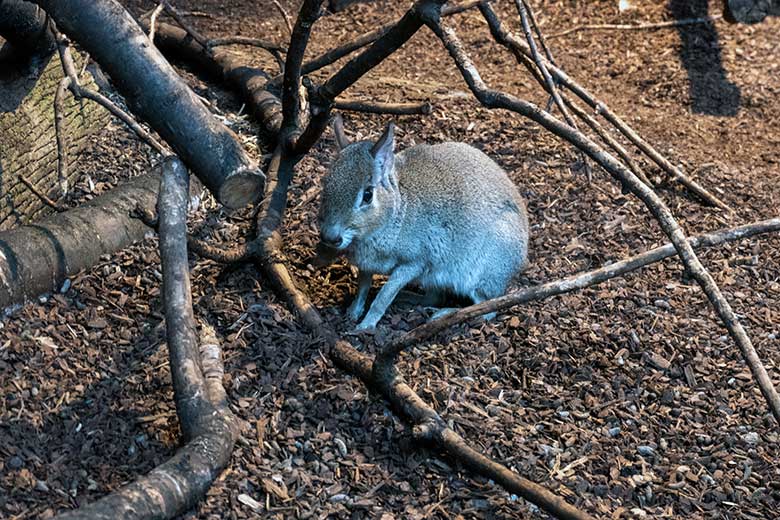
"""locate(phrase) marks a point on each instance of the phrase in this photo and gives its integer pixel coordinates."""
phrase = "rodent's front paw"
(366, 326)
(354, 312)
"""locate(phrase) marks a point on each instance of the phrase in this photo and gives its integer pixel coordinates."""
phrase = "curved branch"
(495, 99)
(208, 425)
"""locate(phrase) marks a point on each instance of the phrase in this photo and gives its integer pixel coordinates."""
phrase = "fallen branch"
(250, 83)
(637, 27)
(494, 99)
(207, 424)
(244, 40)
(42, 196)
(37, 259)
(569, 284)
(158, 95)
(374, 107)
(518, 47)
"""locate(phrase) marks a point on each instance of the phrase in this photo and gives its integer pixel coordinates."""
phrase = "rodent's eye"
(368, 194)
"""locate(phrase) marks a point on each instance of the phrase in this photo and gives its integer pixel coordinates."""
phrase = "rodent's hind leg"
(478, 297)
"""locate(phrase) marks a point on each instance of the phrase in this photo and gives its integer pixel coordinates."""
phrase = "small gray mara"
(443, 216)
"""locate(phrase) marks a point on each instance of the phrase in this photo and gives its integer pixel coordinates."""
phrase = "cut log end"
(243, 187)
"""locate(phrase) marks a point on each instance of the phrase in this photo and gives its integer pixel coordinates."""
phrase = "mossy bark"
(28, 146)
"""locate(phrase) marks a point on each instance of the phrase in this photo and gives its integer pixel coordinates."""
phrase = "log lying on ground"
(25, 29)
(209, 427)
(250, 83)
(157, 94)
(37, 259)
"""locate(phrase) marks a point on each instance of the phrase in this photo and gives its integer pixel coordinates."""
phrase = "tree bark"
(28, 148)
(37, 259)
(25, 30)
(156, 93)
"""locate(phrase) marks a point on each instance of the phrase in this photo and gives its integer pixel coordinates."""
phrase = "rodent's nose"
(331, 237)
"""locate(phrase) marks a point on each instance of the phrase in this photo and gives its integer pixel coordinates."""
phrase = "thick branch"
(494, 99)
(250, 83)
(37, 259)
(208, 425)
(160, 97)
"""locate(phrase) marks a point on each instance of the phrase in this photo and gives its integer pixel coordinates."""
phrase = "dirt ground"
(627, 398)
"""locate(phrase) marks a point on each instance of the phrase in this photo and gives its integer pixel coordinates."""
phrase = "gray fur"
(444, 216)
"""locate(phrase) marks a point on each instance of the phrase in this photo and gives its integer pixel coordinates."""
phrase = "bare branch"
(151, 85)
(571, 283)
(494, 99)
(518, 47)
(43, 198)
(153, 20)
(59, 131)
(197, 36)
(322, 98)
(333, 55)
(283, 12)
(207, 423)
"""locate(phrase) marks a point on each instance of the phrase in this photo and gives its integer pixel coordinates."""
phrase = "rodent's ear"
(383, 153)
(338, 128)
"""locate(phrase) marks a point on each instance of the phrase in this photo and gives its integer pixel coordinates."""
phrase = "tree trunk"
(28, 147)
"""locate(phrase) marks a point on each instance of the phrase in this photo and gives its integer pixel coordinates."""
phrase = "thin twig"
(81, 92)
(523, 10)
(335, 54)
(43, 198)
(59, 133)
(176, 15)
(607, 138)
(637, 27)
(153, 20)
(283, 11)
(376, 107)
(500, 100)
